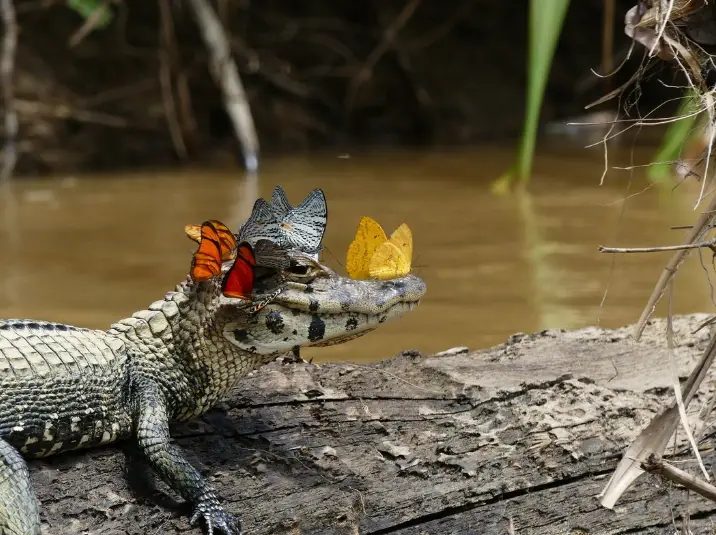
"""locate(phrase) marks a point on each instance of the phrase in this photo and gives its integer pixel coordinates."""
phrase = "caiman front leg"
(152, 432)
(19, 514)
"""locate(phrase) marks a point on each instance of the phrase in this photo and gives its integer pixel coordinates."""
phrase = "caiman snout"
(341, 295)
(409, 289)
(328, 310)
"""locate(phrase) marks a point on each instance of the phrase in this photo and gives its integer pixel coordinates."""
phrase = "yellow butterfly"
(372, 255)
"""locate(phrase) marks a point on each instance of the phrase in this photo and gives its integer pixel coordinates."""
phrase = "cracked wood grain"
(523, 435)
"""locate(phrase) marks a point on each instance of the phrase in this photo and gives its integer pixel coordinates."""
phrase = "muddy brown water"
(88, 250)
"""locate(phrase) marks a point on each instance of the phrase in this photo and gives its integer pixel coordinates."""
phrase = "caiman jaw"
(326, 311)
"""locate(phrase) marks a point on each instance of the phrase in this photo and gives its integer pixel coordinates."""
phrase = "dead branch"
(186, 111)
(389, 35)
(63, 111)
(226, 75)
(656, 465)
(702, 226)
(443, 29)
(7, 66)
(167, 52)
(711, 244)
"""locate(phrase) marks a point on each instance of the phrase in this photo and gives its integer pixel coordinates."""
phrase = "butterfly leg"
(257, 306)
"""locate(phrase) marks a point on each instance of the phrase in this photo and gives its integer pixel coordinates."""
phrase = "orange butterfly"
(239, 281)
(216, 244)
(226, 238)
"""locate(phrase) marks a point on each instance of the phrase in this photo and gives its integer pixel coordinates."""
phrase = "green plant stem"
(546, 19)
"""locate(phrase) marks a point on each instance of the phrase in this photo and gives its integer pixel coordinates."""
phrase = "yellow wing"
(402, 238)
(388, 262)
(369, 236)
(193, 232)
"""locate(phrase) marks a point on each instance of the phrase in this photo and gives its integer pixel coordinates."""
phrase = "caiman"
(64, 388)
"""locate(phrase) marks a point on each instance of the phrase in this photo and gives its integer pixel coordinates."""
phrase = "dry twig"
(702, 226)
(226, 76)
(7, 67)
(389, 35)
(656, 465)
(711, 244)
(167, 53)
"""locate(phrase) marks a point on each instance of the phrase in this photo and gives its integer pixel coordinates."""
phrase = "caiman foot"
(215, 517)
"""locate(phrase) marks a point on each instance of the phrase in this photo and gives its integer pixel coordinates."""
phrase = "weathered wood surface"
(519, 439)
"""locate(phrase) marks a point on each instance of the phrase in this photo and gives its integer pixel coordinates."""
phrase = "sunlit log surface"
(520, 438)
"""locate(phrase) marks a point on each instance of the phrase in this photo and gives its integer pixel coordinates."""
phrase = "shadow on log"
(520, 438)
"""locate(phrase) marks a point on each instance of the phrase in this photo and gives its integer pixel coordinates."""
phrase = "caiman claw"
(215, 517)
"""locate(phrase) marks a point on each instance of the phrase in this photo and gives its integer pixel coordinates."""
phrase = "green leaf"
(86, 7)
(546, 20)
(674, 138)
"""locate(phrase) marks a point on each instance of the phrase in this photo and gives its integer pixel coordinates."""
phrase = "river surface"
(88, 250)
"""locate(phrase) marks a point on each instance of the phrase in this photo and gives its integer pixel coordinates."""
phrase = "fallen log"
(519, 438)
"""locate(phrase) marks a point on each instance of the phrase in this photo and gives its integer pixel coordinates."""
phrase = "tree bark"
(519, 438)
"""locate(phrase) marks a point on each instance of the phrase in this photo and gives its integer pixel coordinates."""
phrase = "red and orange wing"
(207, 260)
(226, 238)
(239, 281)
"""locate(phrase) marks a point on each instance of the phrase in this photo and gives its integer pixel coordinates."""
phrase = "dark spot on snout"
(351, 324)
(308, 289)
(274, 322)
(313, 305)
(294, 332)
(241, 335)
(317, 329)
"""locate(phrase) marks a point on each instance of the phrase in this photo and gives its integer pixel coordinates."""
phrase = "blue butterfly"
(301, 227)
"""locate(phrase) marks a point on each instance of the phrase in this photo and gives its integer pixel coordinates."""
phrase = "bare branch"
(167, 50)
(226, 75)
(7, 67)
(656, 465)
(389, 35)
(707, 244)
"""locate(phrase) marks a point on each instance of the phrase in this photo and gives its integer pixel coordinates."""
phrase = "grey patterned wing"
(305, 225)
(261, 212)
(269, 254)
(280, 207)
(261, 225)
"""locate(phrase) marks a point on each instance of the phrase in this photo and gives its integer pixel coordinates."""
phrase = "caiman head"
(316, 307)
(309, 304)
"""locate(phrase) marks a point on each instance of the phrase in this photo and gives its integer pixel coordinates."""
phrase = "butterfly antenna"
(334, 257)
(414, 265)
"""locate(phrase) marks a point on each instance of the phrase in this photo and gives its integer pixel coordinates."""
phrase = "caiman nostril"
(397, 284)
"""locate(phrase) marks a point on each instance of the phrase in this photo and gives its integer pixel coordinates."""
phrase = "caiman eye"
(299, 270)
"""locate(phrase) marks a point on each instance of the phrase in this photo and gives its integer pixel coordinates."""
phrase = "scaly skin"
(65, 388)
